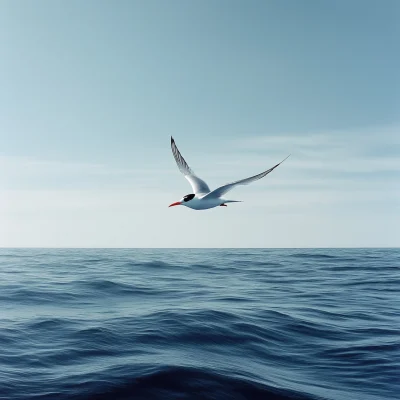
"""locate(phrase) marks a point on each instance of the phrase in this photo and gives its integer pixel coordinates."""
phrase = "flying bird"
(202, 197)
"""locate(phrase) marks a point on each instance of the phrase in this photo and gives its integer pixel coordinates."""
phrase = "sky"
(90, 93)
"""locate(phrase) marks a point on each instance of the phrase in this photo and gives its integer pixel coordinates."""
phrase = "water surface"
(199, 324)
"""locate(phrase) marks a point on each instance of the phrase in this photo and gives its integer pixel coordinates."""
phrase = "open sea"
(199, 324)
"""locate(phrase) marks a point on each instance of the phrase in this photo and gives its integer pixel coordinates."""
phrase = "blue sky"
(91, 92)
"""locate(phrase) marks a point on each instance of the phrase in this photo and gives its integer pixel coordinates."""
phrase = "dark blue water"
(200, 324)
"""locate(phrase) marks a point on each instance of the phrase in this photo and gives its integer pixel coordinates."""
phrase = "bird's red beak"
(178, 203)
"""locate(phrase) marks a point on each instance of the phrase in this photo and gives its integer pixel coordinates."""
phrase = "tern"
(202, 197)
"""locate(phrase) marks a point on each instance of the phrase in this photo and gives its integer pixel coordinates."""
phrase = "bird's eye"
(188, 197)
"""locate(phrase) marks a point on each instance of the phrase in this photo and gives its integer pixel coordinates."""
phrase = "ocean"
(199, 324)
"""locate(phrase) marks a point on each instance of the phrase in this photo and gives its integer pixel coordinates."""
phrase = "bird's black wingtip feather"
(172, 140)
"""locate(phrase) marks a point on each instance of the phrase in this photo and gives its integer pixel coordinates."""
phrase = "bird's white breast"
(198, 203)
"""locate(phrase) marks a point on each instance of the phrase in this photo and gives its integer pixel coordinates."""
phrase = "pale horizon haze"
(91, 93)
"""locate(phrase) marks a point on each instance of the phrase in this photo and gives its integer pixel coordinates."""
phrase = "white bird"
(202, 197)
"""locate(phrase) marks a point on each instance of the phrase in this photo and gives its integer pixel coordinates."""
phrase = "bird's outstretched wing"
(229, 186)
(198, 185)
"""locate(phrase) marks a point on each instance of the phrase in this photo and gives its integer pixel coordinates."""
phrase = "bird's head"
(183, 201)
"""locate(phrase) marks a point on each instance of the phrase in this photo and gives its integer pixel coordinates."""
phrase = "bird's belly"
(200, 204)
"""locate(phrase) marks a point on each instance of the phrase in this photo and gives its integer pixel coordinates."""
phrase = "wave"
(179, 383)
(314, 256)
(112, 287)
